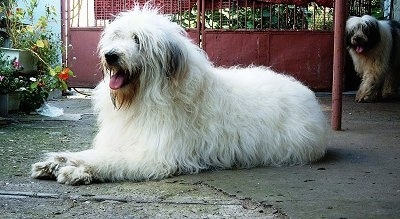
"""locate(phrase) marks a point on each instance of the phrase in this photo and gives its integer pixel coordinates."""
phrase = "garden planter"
(9, 103)
(24, 58)
(13, 102)
(3, 104)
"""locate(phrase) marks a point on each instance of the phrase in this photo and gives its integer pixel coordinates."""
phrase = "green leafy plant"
(36, 91)
(261, 17)
(10, 81)
(36, 36)
(376, 9)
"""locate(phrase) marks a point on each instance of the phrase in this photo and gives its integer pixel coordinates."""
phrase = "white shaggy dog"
(172, 112)
(374, 47)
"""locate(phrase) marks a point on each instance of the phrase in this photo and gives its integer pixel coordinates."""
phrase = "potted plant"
(10, 84)
(13, 29)
(34, 36)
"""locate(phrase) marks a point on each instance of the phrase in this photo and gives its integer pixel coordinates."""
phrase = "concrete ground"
(358, 178)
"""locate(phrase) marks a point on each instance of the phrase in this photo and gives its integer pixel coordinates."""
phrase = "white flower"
(32, 79)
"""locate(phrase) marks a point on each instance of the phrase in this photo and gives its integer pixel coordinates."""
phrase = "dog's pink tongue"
(359, 49)
(116, 81)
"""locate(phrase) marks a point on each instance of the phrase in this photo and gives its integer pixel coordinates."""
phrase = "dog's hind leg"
(389, 89)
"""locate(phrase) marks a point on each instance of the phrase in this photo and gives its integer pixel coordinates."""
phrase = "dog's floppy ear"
(348, 34)
(373, 31)
(176, 61)
(349, 31)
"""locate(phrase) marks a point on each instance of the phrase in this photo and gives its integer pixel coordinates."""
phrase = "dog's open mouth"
(359, 49)
(119, 79)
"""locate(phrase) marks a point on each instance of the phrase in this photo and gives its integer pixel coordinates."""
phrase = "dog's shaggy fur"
(374, 47)
(171, 112)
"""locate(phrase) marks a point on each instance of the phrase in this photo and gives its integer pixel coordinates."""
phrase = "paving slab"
(358, 178)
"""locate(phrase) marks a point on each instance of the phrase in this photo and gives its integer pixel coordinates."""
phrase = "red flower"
(64, 75)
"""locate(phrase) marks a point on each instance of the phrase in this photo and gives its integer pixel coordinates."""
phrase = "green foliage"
(36, 36)
(22, 28)
(376, 9)
(187, 19)
(371, 7)
(32, 99)
(273, 16)
(5, 64)
(320, 18)
(9, 79)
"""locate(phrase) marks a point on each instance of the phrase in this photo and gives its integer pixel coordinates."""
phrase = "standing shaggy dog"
(164, 109)
(374, 47)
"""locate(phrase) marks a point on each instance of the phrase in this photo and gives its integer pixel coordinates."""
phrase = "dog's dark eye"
(136, 39)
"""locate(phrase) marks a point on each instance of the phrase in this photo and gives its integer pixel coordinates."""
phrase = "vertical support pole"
(199, 22)
(203, 25)
(65, 24)
(338, 63)
(64, 43)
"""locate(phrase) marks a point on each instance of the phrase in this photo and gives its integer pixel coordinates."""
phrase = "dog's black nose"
(111, 57)
(358, 39)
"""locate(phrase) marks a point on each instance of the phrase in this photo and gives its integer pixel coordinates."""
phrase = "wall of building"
(396, 10)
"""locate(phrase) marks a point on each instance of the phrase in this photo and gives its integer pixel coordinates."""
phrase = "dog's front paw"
(50, 167)
(45, 169)
(74, 175)
(360, 99)
(365, 98)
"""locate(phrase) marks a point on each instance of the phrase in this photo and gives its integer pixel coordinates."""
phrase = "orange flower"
(64, 75)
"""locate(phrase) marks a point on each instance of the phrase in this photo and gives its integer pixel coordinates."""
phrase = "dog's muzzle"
(359, 43)
(118, 76)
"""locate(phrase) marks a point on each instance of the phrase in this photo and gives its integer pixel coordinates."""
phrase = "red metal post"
(338, 63)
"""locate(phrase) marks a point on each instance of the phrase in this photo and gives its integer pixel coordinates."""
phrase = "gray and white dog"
(374, 46)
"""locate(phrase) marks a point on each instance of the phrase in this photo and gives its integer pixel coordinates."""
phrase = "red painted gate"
(292, 38)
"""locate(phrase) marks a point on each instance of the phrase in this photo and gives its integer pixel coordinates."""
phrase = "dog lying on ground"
(164, 109)
(374, 47)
